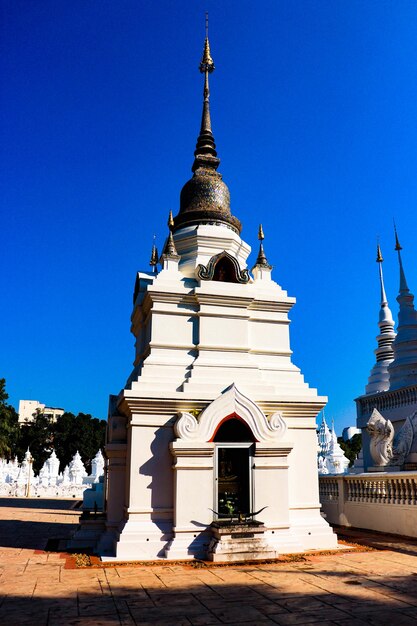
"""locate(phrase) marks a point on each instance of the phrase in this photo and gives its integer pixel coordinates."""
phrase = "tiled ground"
(378, 587)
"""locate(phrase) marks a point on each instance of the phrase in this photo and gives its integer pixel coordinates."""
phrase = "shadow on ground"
(19, 530)
(346, 589)
(51, 504)
(273, 595)
(377, 540)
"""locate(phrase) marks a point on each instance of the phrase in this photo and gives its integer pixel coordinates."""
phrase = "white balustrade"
(386, 502)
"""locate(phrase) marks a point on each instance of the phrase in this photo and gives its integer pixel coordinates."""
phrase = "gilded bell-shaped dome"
(205, 198)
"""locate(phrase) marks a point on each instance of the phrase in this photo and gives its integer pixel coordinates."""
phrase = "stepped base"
(242, 541)
(88, 532)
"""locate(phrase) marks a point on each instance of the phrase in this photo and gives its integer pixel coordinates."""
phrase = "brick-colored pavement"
(378, 587)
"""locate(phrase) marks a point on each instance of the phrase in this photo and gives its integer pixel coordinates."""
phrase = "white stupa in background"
(331, 459)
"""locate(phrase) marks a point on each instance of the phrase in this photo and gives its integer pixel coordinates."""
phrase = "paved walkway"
(36, 587)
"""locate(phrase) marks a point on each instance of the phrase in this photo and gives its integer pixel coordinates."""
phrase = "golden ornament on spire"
(262, 261)
(207, 63)
(379, 257)
(154, 256)
(170, 221)
(169, 247)
(261, 235)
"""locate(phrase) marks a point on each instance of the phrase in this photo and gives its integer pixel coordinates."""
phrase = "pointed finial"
(397, 243)
(403, 281)
(170, 221)
(262, 261)
(261, 235)
(154, 257)
(384, 301)
(169, 247)
(207, 63)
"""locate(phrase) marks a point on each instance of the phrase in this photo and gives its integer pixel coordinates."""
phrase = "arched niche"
(233, 429)
(223, 267)
(231, 403)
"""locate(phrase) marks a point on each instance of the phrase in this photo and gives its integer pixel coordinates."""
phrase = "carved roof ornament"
(207, 272)
(230, 403)
(262, 261)
(205, 199)
(153, 262)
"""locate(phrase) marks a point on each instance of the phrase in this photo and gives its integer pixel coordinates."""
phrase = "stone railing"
(386, 502)
(388, 490)
(388, 400)
(329, 489)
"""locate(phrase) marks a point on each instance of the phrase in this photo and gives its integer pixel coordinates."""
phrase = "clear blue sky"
(314, 107)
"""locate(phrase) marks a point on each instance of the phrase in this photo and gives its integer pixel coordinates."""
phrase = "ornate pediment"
(231, 403)
(226, 264)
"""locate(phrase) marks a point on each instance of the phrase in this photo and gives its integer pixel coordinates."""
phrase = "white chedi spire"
(97, 467)
(379, 377)
(77, 470)
(403, 369)
(26, 469)
(336, 461)
(324, 436)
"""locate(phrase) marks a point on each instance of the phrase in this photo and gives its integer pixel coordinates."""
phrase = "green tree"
(352, 447)
(38, 437)
(9, 425)
(80, 432)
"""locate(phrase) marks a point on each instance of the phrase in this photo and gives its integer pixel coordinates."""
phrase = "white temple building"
(215, 420)
(387, 412)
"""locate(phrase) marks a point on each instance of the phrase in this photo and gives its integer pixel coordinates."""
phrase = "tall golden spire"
(379, 258)
(205, 143)
(205, 198)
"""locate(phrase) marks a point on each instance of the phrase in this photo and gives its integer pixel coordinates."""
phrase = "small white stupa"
(324, 436)
(26, 469)
(97, 467)
(336, 461)
(77, 470)
(331, 458)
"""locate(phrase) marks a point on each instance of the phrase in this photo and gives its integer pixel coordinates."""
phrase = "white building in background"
(349, 432)
(29, 408)
(215, 420)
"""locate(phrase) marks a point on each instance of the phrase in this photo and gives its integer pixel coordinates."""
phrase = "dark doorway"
(233, 480)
